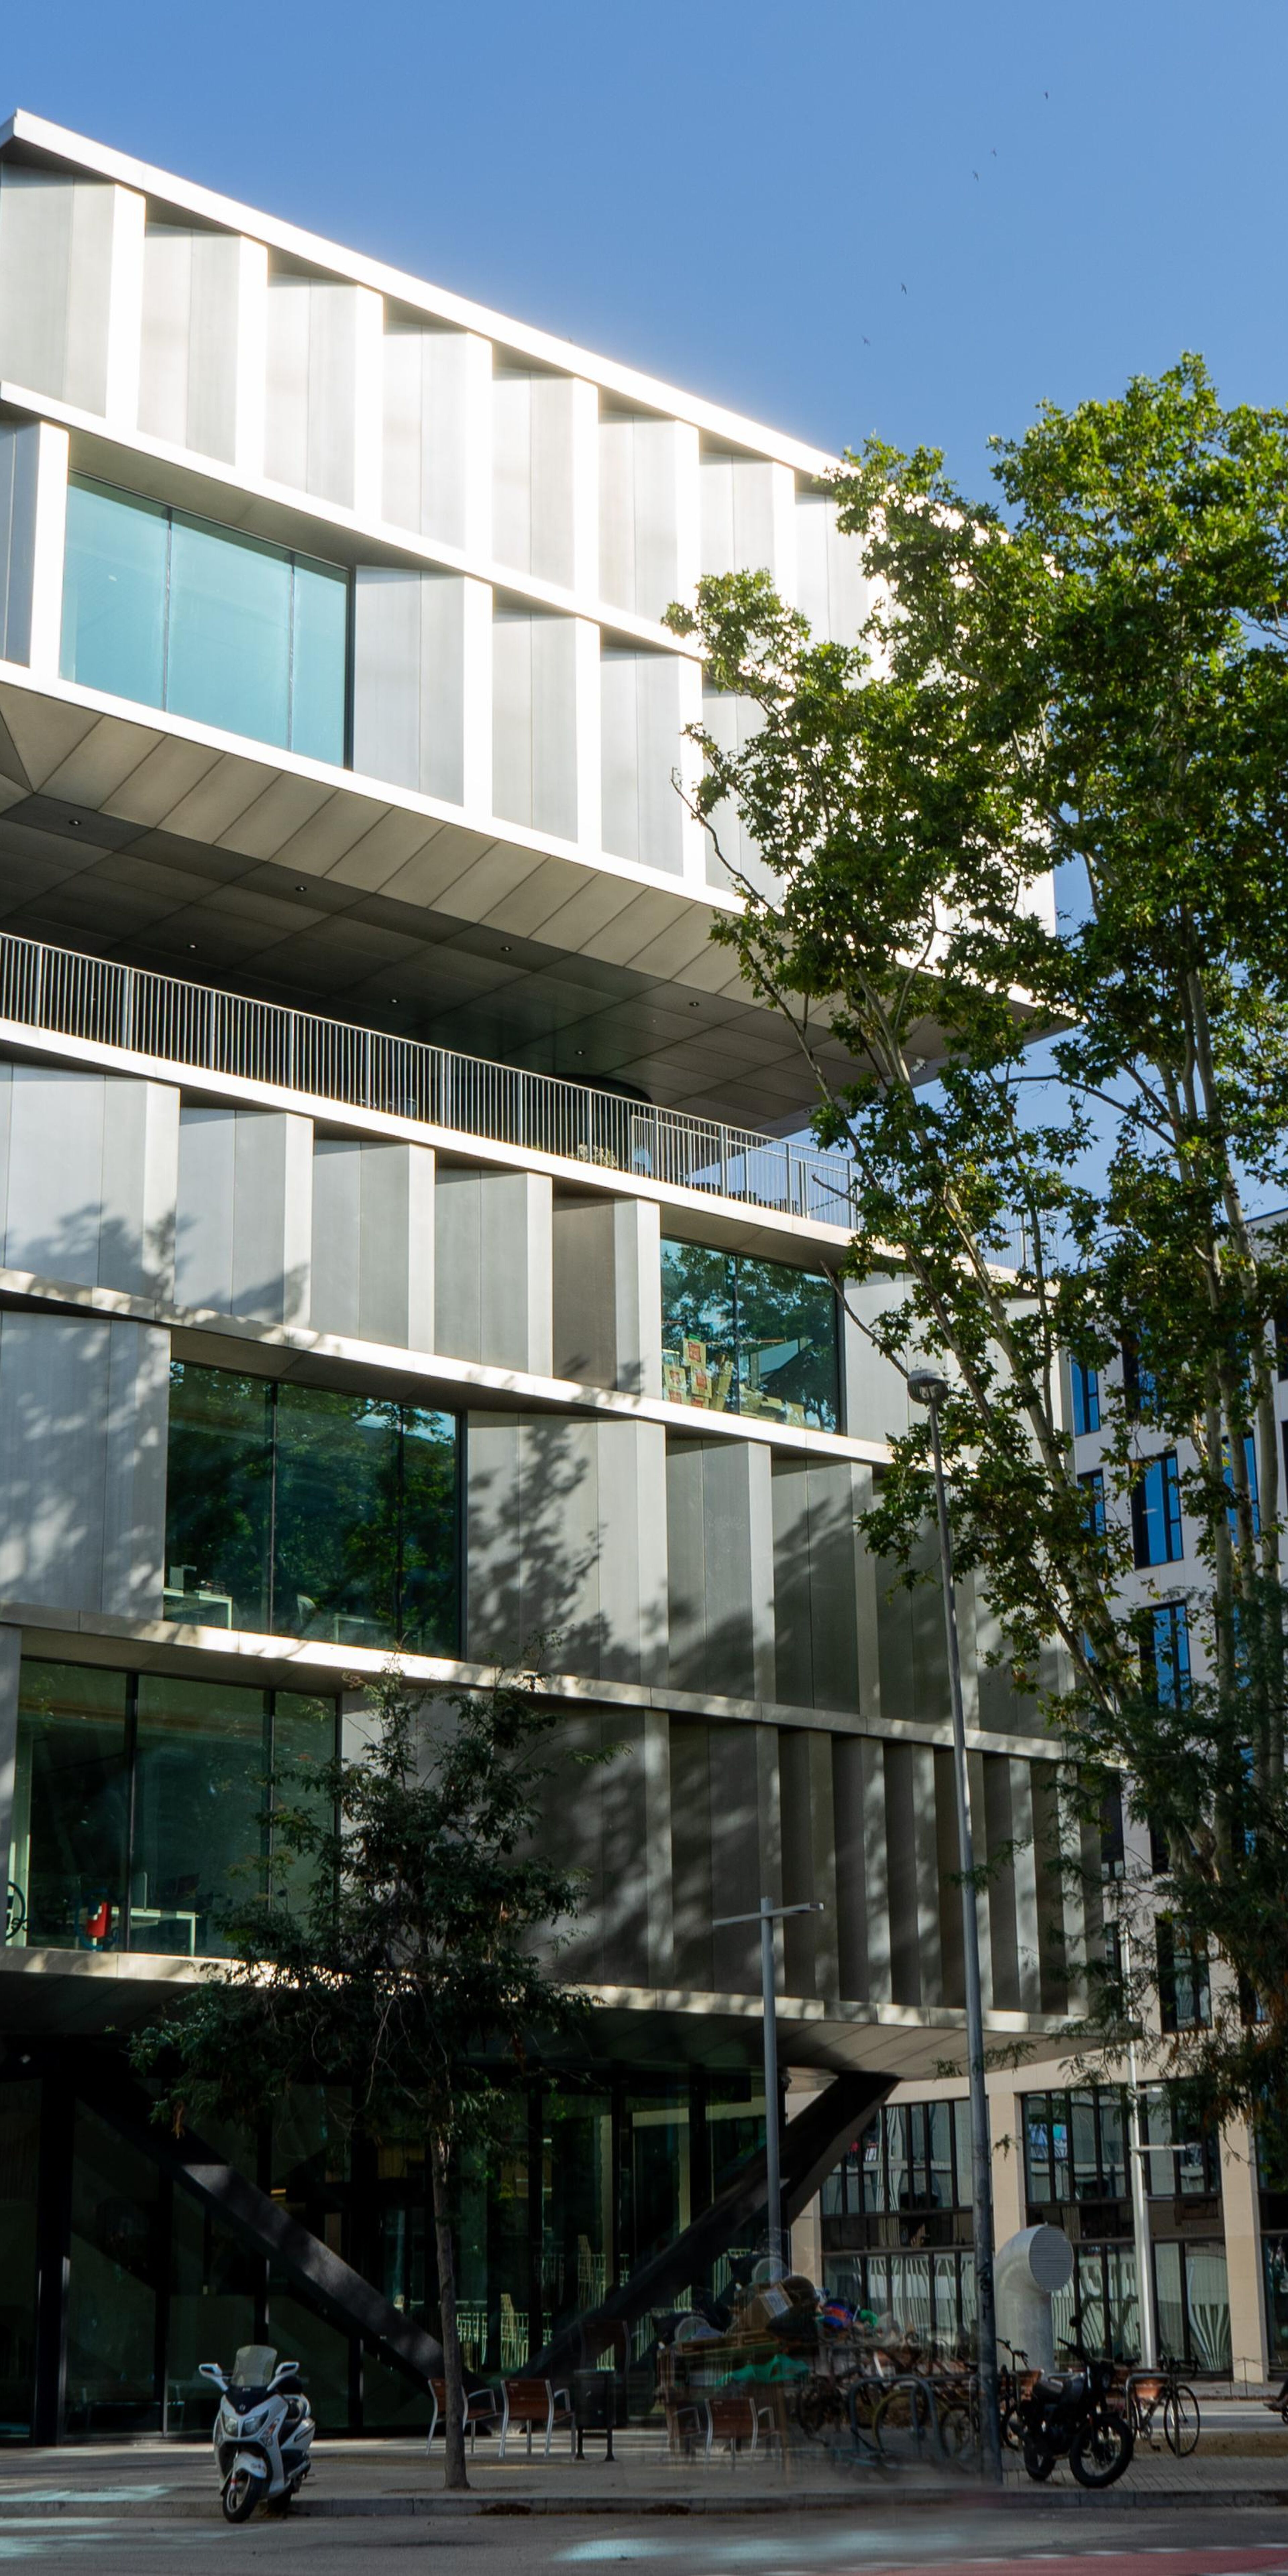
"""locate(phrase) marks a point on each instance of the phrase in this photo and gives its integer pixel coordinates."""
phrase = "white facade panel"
(830, 587)
(534, 721)
(409, 678)
(533, 493)
(431, 428)
(317, 381)
(189, 362)
(643, 817)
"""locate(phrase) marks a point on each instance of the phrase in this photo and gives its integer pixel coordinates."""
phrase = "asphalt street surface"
(976, 2544)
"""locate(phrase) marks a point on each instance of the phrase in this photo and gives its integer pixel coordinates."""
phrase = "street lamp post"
(1145, 2306)
(767, 1915)
(926, 1387)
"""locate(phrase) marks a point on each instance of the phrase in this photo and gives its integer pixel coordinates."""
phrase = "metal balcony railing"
(203, 1030)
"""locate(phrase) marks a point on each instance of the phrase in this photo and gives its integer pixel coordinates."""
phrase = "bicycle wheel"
(1181, 2422)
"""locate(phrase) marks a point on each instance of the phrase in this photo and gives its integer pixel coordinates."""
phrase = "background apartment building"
(396, 1250)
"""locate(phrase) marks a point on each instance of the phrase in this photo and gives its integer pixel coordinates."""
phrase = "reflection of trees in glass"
(219, 1488)
(352, 1500)
(748, 1336)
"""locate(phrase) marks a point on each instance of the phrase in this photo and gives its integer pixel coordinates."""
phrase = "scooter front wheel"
(240, 2496)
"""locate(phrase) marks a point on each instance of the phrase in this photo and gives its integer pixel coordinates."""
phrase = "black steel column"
(53, 2256)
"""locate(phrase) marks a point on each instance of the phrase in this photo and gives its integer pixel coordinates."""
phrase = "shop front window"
(143, 1810)
(750, 1337)
(304, 1511)
(181, 613)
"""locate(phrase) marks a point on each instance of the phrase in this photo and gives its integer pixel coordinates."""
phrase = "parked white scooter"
(263, 2431)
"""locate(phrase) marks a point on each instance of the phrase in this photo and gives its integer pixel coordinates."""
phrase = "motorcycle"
(263, 2432)
(1070, 2414)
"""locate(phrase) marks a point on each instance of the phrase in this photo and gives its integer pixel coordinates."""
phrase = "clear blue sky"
(733, 194)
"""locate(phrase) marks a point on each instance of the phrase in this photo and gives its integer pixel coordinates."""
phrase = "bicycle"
(1147, 2390)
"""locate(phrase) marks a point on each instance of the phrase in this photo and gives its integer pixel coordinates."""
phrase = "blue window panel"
(1086, 1398)
(1093, 1486)
(1169, 1643)
(319, 657)
(114, 590)
(229, 660)
(1250, 1455)
(1156, 1513)
(180, 613)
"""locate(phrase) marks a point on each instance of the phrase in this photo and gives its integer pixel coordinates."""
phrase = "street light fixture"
(925, 1386)
(767, 1915)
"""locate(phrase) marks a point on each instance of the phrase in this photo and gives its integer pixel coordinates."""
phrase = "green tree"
(398, 1953)
(1090, 674)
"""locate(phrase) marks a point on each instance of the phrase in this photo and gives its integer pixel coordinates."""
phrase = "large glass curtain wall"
(742, 1336)
(180, 613)
(570, 2196)
(142, 1808)
(913, 2160)
(304, 1511)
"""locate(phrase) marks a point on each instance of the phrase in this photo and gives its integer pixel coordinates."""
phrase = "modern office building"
(398, 1253)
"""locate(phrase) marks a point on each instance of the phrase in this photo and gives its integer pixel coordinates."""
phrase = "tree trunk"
(454, 2380)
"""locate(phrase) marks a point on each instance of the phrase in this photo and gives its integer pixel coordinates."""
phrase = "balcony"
(197, 1028)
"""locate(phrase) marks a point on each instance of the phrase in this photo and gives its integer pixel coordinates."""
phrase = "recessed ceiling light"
(192, 944)
(73, 823)
(695, 1006)
(301, 889)
(505, 952)
(393, 997)
(581, 1050)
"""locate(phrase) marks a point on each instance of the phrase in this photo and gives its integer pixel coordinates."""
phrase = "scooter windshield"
(254, 2366)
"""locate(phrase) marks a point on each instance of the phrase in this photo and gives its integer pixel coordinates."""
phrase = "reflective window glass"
(786, 1344)
(218, 1498)
(114, 587)
(182, 613)
(335, 1572)
(742, 1336)
(319, 649)
(305, 1511)
(70, 1808)
(229, 661)
(143, 1805)
(200, 1812)
(699, 1357)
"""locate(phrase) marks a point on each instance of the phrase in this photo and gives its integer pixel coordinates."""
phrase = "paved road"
(1029, 2545)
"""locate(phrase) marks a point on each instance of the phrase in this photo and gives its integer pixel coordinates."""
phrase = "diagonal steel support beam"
(329, 2285)
(811, 2144)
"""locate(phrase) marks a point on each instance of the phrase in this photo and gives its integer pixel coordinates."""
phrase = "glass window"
(114, 2277)
(142, 1805)
(1086, 1398)
(1093, 1486)
(71, 1807)
(114, 590)
(200, 1812)
(1183, 1993)
(219, 1498)
(305, 1511)
(181, 613)
(229, 651)
(1156, 1512)
(1250, 1463)
(1165, 1654)
(752, 1337)
(319, 655)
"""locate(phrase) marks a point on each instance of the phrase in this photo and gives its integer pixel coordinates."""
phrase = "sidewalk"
(155, 2480)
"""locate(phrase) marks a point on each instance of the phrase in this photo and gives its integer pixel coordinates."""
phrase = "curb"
(625, 2506)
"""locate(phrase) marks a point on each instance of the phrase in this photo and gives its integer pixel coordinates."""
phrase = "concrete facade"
(349, 1079)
